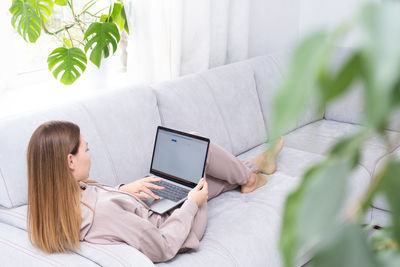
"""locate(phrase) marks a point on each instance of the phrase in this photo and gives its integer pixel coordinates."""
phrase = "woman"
(64, 207)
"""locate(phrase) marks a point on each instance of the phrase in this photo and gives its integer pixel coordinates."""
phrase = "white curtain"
(170, 38)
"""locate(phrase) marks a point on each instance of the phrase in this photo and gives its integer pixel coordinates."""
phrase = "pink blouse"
(120, 217)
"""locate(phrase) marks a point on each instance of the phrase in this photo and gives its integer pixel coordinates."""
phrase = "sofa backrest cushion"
(221, 103)
(108, 122)
(350, 106)
(269, 72)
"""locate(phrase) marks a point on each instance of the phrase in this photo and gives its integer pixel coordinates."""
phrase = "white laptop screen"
(179, 155)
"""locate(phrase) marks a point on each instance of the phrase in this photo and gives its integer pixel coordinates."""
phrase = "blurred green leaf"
(332, 87)
(346, 247)
(299, 87)
(71, 62)
(306, 221)
(390, 186)
(349, 147)
(102, 34)
(382, 240)
(380, 25)
(389, 259)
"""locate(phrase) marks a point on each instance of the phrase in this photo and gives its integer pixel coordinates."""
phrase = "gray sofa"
(230, 105)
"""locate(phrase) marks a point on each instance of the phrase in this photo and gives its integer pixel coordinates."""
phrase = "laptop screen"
(179, 155)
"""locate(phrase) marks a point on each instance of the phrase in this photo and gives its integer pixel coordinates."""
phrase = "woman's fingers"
(149, 192)
(151, 185)
(141, 196)
(152, 179)
(200, 184)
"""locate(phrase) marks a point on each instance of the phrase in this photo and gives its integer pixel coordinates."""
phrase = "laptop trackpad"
(162, 205)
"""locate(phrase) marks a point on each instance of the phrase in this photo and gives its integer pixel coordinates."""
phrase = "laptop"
(179, 158)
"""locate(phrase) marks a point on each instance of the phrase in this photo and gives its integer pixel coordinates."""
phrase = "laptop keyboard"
(170, 191)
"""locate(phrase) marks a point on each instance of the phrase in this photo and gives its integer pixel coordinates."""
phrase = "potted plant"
(84, 32)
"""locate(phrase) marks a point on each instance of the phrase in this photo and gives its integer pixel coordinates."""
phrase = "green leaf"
(67, 42)
(389, 259)
(102, 34)
(28, 16)
(349, 147)
(44, 8)
(117, 17)
(299, 87)
(332, 87)
(123, 14)
(390, 186)
(25, 20)
(380, 25)
(346, 247)
(61, 2)
(70, 61)
(307, 221)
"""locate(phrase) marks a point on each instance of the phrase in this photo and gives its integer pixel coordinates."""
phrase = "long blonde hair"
(54, 214)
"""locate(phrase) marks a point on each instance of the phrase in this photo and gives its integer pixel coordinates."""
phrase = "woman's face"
(79, 164)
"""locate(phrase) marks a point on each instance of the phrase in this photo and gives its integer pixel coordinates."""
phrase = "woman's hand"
(199, 194)
(142, 185)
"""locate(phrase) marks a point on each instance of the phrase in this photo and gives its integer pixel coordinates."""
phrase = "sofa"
(231, 105)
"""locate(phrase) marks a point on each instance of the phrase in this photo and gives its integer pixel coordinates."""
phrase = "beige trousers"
(224, 171)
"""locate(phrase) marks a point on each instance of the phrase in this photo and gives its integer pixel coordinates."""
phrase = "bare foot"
(267, 161)
(255, 181)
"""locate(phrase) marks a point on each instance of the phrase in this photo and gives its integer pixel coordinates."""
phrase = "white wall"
(273, 25)
(316, 14)
(280, 24)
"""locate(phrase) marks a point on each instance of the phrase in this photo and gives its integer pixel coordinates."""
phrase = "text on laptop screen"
(179, 155)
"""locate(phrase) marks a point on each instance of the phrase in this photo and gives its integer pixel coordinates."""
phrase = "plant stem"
(71, 5)
(72, 43)
(58, 31)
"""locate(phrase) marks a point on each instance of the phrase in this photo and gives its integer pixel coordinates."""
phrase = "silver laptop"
(179, 158)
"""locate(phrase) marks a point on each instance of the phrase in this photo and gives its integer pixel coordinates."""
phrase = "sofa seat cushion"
(318, 137)
(240, 226)
(294, 163)
(103, 255)
(234, 231)
(15, 244)
(290, 161)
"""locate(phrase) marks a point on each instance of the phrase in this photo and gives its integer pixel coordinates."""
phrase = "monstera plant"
(318, 221)
(81, 33)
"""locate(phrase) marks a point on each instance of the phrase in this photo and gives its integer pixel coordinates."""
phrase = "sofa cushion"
(187, 104)
(104, 255)
(15, 244)
(15, 134)
(126, 121)
(291, 161)
(269, 71)
(350, 106)
(318, 137)
(234, 90)
(234, 231)
(111, 124)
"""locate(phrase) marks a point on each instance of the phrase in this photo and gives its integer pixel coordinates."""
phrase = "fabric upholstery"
(131, 115)
(235, 94)
(268, 72)
(320, 136)
(187, 104)
(15, 244)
